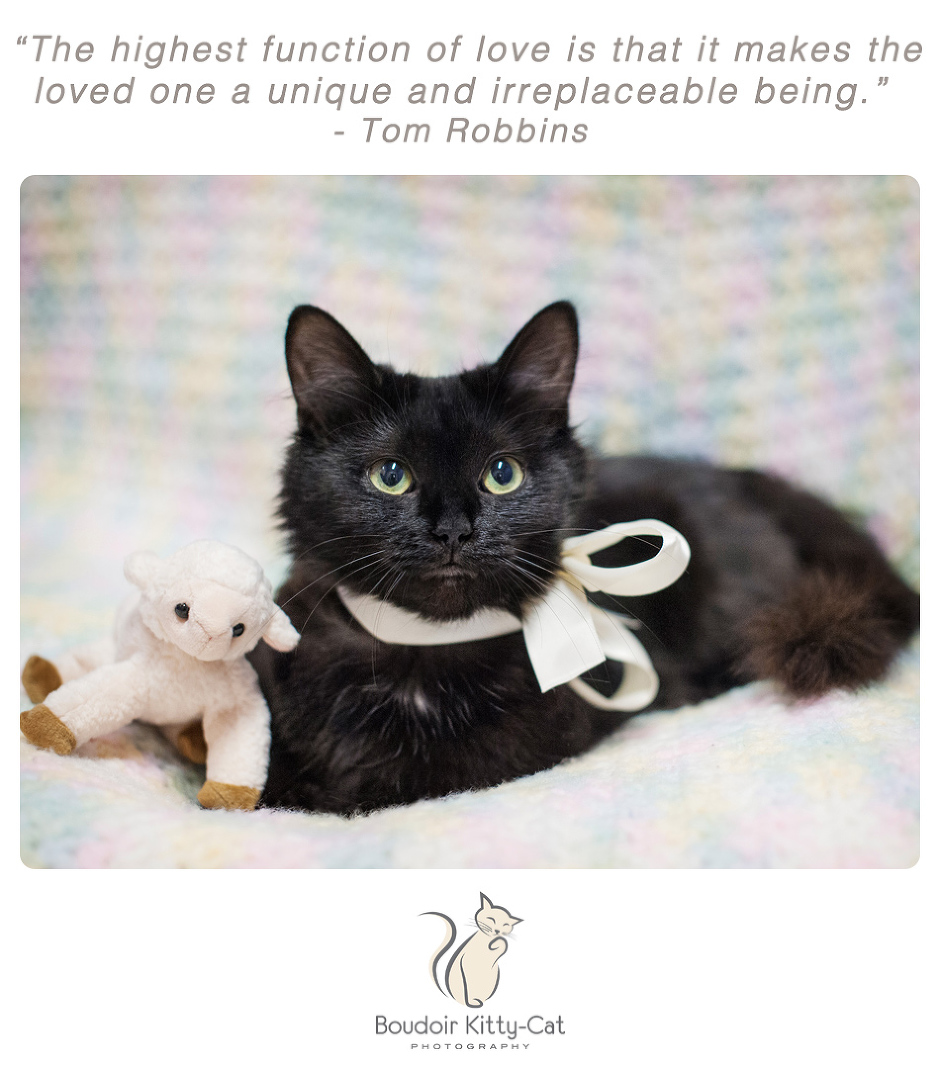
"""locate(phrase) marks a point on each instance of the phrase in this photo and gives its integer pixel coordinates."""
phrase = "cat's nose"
(453, 529)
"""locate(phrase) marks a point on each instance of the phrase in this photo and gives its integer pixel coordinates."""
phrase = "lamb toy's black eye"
(238, 629)
(182, 610)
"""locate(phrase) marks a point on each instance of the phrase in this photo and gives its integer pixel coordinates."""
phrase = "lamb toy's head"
(210, 600)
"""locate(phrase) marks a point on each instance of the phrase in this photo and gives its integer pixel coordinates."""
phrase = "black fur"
(780, 584)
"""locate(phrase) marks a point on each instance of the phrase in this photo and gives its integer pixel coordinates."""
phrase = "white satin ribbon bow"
(565, 634)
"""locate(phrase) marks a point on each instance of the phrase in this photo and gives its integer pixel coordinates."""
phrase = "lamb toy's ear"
(141, 568)
(280, 634)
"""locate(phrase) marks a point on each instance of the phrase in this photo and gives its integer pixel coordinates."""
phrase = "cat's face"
(443, 495)
(494, 920)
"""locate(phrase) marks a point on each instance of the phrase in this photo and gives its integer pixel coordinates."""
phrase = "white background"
(646, 968)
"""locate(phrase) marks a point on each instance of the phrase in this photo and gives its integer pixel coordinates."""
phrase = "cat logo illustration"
(472, 972)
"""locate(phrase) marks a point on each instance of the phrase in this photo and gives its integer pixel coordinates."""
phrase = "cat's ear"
(330, 374)
(485, 903)
(516, 920)
(537, 368)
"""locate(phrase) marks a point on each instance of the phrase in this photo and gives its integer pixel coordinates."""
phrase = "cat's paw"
(40, 678)
(44, 729)
(215, 795)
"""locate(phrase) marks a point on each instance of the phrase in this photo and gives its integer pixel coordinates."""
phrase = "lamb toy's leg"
(41, 677)
(99, 702)
(189, 739)
(238, 741)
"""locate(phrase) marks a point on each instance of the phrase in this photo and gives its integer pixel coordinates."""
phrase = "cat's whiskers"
(531, 587)
(561, 575)
(586, 530)
(623, 612)
(555, 530)
(309, 552)
(520, 556)
(326, 575)
(574, 586)
(262, 627)
(341, 579)
(553, 573)
(548, 603)
(537, 585)
(384, 602)
(557, 617)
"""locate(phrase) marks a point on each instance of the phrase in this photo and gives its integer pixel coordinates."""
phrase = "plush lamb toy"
(177, 658)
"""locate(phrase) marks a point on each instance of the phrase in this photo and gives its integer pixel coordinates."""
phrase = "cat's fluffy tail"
(847, 615)
(826, 633)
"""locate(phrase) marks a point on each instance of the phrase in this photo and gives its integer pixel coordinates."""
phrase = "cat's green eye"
(390, 476)
(503, 475)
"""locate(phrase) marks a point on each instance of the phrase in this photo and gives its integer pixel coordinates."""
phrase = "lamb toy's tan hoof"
(44, 729)
(214, 795)
(40, 678)
(191, 743)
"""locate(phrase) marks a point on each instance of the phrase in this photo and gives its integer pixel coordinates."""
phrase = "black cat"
(445, 496)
